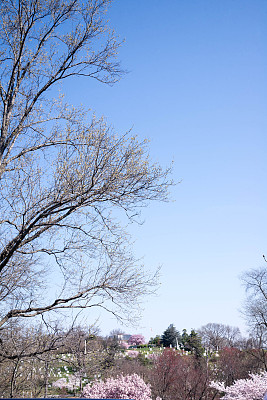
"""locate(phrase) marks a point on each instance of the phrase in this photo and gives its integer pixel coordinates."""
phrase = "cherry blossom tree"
(136, 340)
(253, 388)
(122, 387)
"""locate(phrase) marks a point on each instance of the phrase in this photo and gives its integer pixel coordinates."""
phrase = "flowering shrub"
(122, 387)
(132, 353)
(252, 388)
(136, 340)
(153, 356)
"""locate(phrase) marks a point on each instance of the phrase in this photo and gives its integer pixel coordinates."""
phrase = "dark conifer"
(170, 337)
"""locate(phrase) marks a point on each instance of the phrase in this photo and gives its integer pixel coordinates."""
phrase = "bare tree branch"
(66, 178)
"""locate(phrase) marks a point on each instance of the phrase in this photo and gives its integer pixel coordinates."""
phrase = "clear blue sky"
(197, 89)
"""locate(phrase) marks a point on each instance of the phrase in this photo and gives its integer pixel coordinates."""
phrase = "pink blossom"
(136, 340)
(153, 356)
(124, 345)
(122, 387)
(132, 353)
(252, 388)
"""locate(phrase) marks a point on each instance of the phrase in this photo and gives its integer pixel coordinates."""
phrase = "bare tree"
(63, 173)
(25, 354)
(255, 308)
(86, 351)
(255, 312)
(215, 336)
(255, 348)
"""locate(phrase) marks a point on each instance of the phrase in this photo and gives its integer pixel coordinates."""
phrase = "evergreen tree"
(170, 337)
(156, 340)
(191, 342)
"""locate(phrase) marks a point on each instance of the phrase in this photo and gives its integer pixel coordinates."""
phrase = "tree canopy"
(63, 171)
(170, 337)
(191, 342)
